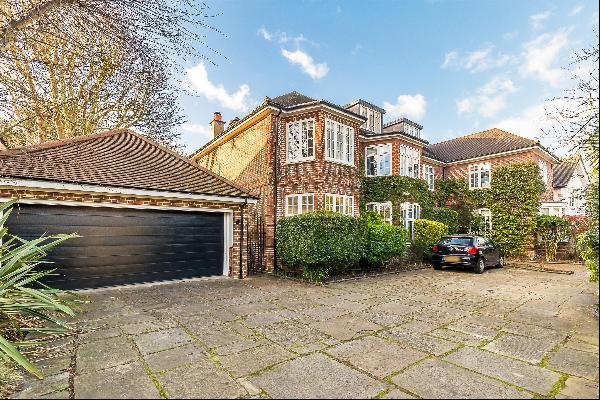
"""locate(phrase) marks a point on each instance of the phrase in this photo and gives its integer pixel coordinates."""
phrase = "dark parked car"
(472, 251)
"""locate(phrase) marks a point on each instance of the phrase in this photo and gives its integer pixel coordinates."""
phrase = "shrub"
(427, 233)
(551, 230)
(384, 241)
(321, 241)
(446, 216)
(587, 245)
(23, 298)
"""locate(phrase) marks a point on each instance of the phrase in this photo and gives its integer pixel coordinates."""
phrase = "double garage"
(177, 223)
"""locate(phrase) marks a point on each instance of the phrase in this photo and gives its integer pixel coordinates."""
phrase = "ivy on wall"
(514, 200)
(456, 195)
(398, 190)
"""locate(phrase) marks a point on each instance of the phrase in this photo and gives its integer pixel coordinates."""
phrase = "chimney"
(217, 125)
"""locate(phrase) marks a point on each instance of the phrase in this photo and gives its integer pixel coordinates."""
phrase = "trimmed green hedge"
(385, 242)
(427, 233)
(321, 241)
(446, 216)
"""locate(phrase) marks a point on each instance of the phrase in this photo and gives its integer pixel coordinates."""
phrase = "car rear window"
(457, 241)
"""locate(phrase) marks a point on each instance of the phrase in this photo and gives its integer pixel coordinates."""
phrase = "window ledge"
(336, 161)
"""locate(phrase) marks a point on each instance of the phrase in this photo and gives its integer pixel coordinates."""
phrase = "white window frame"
(339, 203)
(410, 161)
(486, 214)
(382, 208)
(378, 158)
(476, 173)
(429, 176)
(410, 212)
(304, 201)
(339, 142)
(300, 158)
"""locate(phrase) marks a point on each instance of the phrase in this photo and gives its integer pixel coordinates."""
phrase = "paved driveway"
(505, 334)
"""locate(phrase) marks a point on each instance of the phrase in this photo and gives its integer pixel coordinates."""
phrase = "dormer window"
(411, 129)
(373, 122)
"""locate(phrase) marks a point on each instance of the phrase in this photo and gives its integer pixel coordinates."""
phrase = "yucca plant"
(24, 298)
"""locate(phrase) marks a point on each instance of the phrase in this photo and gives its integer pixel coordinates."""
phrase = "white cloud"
(282, 37)
(537, 20)
(407, 105)
(575, 10)
(489, 99)
(306, 63)
(197, 81)
(475, 61)
(357, 48)
(203, 130)
(541, 53)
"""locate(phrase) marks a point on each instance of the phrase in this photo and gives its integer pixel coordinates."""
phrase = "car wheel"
(436, 266)
(480, 266)
(501, 262)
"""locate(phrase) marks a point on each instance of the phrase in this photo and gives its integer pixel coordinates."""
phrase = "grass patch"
(10, 378)
(558, 386)
(381, 394)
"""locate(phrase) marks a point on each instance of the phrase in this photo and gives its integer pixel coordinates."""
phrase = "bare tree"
(73, 67)
(576, 112)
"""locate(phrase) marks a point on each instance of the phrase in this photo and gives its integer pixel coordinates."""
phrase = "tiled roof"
(491, 141)
(366, 104)
(292, 99)
(118, 158)
(564, 171)
(391, 124)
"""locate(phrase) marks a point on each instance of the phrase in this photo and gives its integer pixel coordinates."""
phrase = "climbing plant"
(514, 200)
(456, 195)
(397, 190)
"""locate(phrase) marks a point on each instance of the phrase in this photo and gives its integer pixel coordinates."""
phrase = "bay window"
(339, 203)
(300, 140)
(410, 212)
(429, 176)
(339, 142)
(382, 208)
(378, 160)
(479, 176)
(296, 204)
(409, 161)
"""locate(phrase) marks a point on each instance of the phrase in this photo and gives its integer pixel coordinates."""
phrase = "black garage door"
(121, 245)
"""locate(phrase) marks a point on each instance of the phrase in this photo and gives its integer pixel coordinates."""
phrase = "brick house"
(143, 212)
(571, 178)
(298, 154)
(295, 153)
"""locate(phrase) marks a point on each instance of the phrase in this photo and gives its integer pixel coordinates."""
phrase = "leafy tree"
(551, 231)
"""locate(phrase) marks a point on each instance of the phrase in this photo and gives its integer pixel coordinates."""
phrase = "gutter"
(275, 192)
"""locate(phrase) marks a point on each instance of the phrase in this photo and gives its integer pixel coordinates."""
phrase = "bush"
(446, 216)
(551, 230)
(384, 241)
(427, 233)
(321, 241)
(27, 305)
(587, 245)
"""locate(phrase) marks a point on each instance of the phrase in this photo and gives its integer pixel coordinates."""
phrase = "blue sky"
(456, 67)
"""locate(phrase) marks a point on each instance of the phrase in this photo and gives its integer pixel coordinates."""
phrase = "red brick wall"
(234, 254)
(461, 171)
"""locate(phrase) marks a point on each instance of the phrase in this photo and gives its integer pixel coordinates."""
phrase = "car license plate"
(452, 259)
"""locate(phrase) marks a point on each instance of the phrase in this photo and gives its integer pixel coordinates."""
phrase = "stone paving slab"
(376, 356)
(317, 376)
(346, 328)
(152, 342)
(169, 359)
(575, 362)
(521, 347)
(256, 359)
(105, 353)
(120, 382)
(420, 342)
(434, 379)
(578, 388)
(519, 373)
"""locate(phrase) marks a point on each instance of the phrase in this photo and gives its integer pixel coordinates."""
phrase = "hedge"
(384, 242)
(321, 241)
(427, 233)
(446, 216)
(551, 230)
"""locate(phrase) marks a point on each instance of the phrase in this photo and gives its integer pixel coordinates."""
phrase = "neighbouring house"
(143, 212)
(571, 178)
(299, 154)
